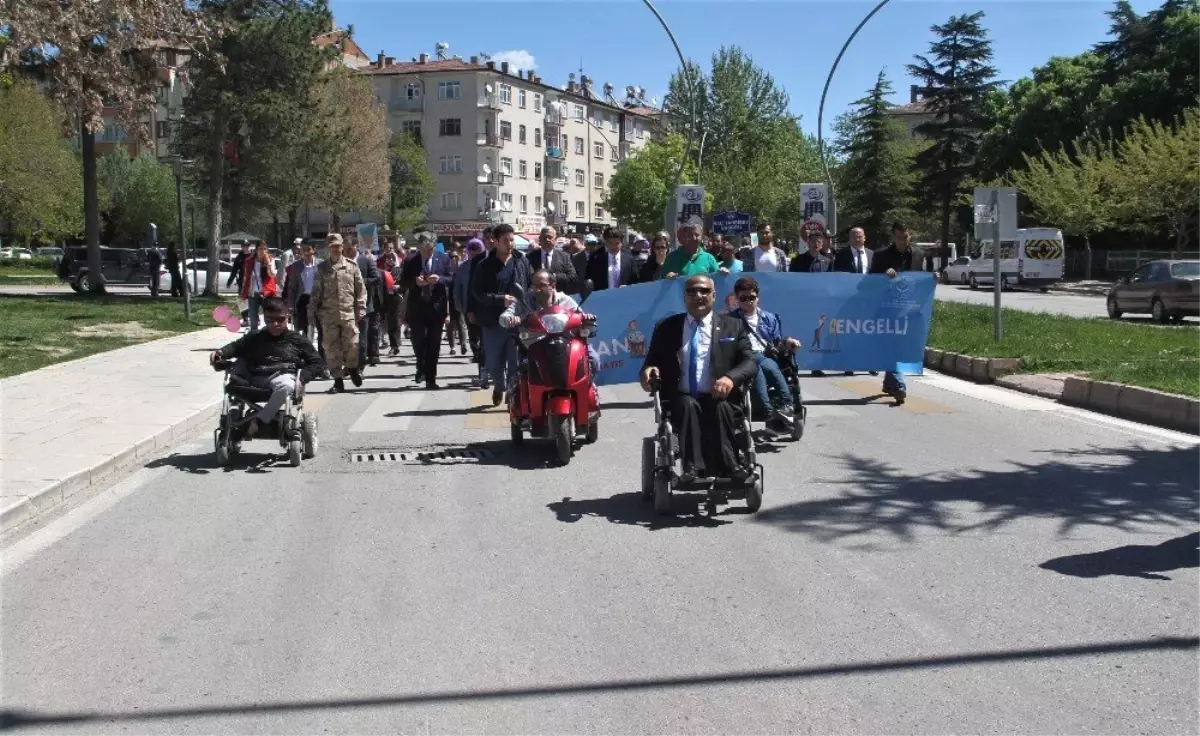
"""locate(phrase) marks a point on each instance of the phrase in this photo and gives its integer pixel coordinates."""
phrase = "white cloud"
(517, 59)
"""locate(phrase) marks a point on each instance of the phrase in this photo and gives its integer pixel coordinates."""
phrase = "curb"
(1156, 408)
(50, 497)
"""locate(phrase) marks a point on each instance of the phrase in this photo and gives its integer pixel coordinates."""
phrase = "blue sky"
(796, 41)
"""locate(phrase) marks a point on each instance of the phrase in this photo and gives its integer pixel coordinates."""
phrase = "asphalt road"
(1070, 305)
(976, 561)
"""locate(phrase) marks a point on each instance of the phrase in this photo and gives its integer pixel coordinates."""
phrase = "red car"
(1167, 290)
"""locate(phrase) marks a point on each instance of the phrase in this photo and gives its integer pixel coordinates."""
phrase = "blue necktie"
(694, 360)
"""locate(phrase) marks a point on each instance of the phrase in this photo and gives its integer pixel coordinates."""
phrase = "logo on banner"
(825, 337)
(900, 294)
(635, 340)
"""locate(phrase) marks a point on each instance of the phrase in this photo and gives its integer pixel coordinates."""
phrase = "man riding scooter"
(543, 293)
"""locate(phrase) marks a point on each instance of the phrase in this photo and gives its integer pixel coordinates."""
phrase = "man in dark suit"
(557, 262)
(897, 257)
(702, 358)
(854, 258)
(611, 267)
(424, 277)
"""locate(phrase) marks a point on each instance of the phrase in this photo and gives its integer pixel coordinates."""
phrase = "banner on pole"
(843, 321)
(689, 205)
(814, 210)
(368, 236)
(985, 218)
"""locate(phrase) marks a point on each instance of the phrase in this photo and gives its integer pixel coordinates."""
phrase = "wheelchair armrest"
(223, 365)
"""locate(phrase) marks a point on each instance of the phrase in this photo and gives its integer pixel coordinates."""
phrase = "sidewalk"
(66, 426)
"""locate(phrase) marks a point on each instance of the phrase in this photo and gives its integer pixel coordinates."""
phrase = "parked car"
(1167, 290)
(196, 272)
(958, 272)
(121, 266)
(21, 254)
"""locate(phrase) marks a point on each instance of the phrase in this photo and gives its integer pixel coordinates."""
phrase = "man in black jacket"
(702, 358)
(897, 257)
(491, 293)
(424, 277)
(557, 262)
(267, 359)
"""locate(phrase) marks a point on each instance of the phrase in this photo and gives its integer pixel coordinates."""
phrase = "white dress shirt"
(755, 340)
(614, 270)
(307, 272)
(685, 354)
(766, 262)
(860, 260)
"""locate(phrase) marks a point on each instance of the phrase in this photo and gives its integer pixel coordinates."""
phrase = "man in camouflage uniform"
(338, 303)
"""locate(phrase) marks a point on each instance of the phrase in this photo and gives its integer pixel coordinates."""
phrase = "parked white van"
(1035, 259)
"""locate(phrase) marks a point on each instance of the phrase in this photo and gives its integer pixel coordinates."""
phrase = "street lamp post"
(177, 164)
(821, 112)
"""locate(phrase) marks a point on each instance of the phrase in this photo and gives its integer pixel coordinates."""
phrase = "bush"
(44, 263)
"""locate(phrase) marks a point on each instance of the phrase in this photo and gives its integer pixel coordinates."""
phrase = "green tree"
(1071, 189)
(640, 189)
(876, 175)
(958, 78)
(249, 106)
(136, 192)
(1157, 184)
(41, 189)
(359, 177)
(93, 55)
(410, 182)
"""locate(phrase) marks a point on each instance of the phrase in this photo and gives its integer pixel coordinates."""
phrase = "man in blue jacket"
(766, 334)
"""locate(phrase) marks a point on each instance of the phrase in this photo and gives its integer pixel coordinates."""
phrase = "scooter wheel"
(560, 428)
(593, 431)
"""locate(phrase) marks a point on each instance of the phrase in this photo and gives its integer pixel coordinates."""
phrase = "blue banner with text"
(844, 322)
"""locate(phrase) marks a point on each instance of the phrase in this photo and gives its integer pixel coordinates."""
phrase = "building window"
(598, 180)
(521, 134)
(523, 169)
(521, 99)
(537, 170)
(450, 164)
(450, 126)
(565, 146)
(506, 198)
(413, 91)
(412, 127)
(612, 123)
(506, 166)
(638, 130)
(579, 177)
(537, 204)
(449, 90)
(612, 153)
(579, 113)
(598, 150)
(579, 146)
(506, 94)
(451, 201)
(524, 204)
(599, 212)
(537, 102)
(579, 209)
(537, 137)
(162, 129)
(113, 133)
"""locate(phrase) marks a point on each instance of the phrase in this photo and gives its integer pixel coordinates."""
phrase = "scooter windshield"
(554, 323)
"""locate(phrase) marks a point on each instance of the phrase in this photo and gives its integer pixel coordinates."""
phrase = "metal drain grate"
(444, 457)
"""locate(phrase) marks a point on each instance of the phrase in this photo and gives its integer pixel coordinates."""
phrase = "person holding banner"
(891, 260)
(814, 259)
(689, 259)
(700, 358)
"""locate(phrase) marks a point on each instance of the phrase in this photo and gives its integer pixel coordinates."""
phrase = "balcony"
(495, 179)
(555, 117)
(490, 102)
(488, 140)
(409, 104)
(555, 153)
(556, 185)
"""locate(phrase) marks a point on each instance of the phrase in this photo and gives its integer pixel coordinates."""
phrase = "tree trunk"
(335, 220)
(946, 197)
(1087, 262)
(216, 179)
(291, 224)
(91, 210)
(275, 232)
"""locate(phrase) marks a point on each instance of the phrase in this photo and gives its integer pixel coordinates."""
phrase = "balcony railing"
(405, 103)
(492, 140)
(495, 178)
(554, 152)
(490, 102)
(556, 185)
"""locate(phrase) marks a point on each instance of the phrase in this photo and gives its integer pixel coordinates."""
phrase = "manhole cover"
(443, 457)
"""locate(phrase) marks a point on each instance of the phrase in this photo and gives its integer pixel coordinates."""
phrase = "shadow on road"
(1123, 488)
(632, 510)
(247, 461)
(12, 719)
(1133, 560)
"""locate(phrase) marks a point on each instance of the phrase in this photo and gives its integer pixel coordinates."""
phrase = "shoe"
(874, 373)
(339, 386)
(900, 395)
(848, 373)
(688, 475)
(419, 378)
(373, 361)
(356, 377)
(394, 352)
(741, 474)
(462, 350)
(497, 396)
(432, 386)
(818, 374)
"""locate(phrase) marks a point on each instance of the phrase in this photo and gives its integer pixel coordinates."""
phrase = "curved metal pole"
(687, 78)
(821, 109)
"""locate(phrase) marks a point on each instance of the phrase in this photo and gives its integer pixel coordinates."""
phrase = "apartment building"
(505, 146)
(171, 66)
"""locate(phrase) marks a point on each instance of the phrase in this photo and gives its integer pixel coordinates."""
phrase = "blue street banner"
(844, 321)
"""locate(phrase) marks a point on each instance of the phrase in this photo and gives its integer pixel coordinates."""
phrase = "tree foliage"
(359, 177)
(876, 171)
(411, 183)
(640, 189)
(957, 79)
(136, 192)
(41, 189)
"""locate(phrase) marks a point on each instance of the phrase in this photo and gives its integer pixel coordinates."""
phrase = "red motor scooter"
(554, 396)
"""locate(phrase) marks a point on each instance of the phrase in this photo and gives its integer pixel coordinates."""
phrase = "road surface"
(975, 561)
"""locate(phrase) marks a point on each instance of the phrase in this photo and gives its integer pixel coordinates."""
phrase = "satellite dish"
(441, 48)
(608, 88)
(550, 207)
(487, 170)
(487, 88)
(630, 91)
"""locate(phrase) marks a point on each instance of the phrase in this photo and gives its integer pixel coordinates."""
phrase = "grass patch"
(1164, 358)
(37, 331)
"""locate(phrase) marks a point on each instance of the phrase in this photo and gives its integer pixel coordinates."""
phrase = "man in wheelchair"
(271, 359)
(770, 346)
(701, 359)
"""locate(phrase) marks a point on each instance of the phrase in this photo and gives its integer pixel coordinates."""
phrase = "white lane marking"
(402, 405)
(75, 519)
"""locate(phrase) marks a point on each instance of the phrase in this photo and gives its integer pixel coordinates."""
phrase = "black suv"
(120, 266)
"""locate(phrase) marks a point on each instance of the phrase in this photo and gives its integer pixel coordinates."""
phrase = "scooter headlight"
(554, 323)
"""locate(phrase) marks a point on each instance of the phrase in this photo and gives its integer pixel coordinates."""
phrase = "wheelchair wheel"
(221, 446)
(648, 452)
(754, 495)
(308, 435)
(295, 450)
(798, 422)
(662, 495)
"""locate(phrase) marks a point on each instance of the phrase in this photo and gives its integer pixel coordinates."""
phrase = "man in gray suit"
(425, 277)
